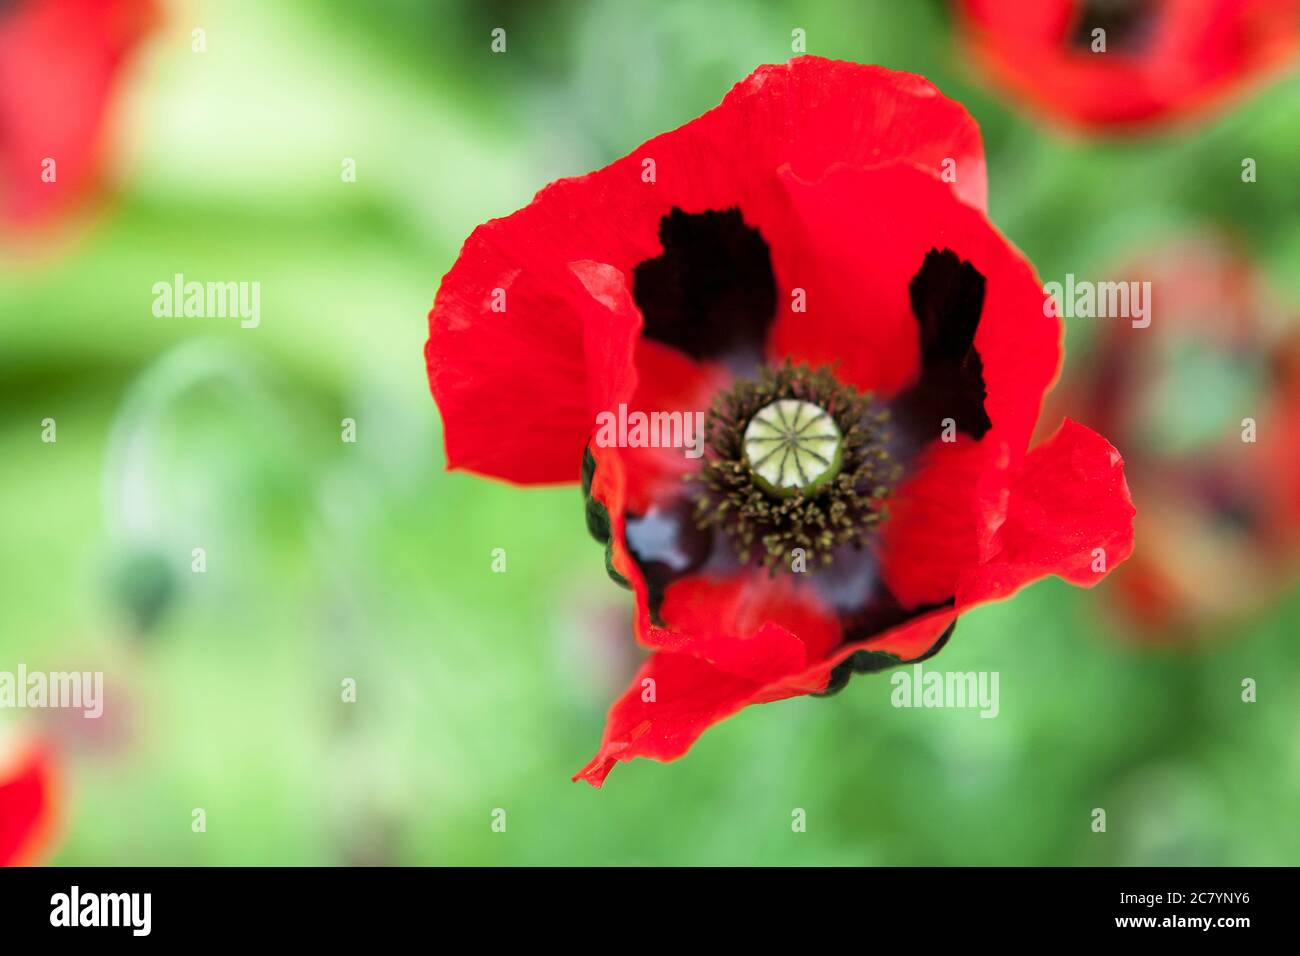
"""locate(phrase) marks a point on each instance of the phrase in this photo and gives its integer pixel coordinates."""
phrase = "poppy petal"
(676, 697)
(519, 395)
(873, 246)
(932, 534)
(667, 383)
(512, 384)
(60, 61)
(1068, 512)
(26, 807)
(1162, 61)
(748, 623)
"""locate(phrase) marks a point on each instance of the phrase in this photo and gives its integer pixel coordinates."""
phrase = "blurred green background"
(477, 690)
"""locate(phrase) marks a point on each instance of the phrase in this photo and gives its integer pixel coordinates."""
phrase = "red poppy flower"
(1163, 59)
(810, 262)
(1207, 400)
(26, 804)
(59, 63)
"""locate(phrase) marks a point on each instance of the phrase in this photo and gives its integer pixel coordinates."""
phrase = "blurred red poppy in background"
(27, 802)
(60, 63)
(1205, 405)
(1162, 59)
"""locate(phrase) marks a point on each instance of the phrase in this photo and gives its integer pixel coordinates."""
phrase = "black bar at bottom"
(332, 905)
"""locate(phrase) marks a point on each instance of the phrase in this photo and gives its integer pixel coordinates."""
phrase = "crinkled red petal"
(513, 385)
(676, 697)
(1063, 510)
(1066, 511)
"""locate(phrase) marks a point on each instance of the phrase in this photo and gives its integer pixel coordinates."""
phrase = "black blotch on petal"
(947, 296)
(1129, 24)
(712, 294)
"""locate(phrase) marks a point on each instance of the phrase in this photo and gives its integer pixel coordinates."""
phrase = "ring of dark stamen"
(766, 528)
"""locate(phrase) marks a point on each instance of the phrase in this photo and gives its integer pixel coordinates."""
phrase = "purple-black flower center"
(798, 465)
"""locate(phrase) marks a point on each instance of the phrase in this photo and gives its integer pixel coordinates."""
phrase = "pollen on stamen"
(796, 459)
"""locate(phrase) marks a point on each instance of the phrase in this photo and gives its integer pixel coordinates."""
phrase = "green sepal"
(873, 662)
(598, 523)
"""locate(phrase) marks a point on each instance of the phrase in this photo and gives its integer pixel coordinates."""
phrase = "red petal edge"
(515, 385)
